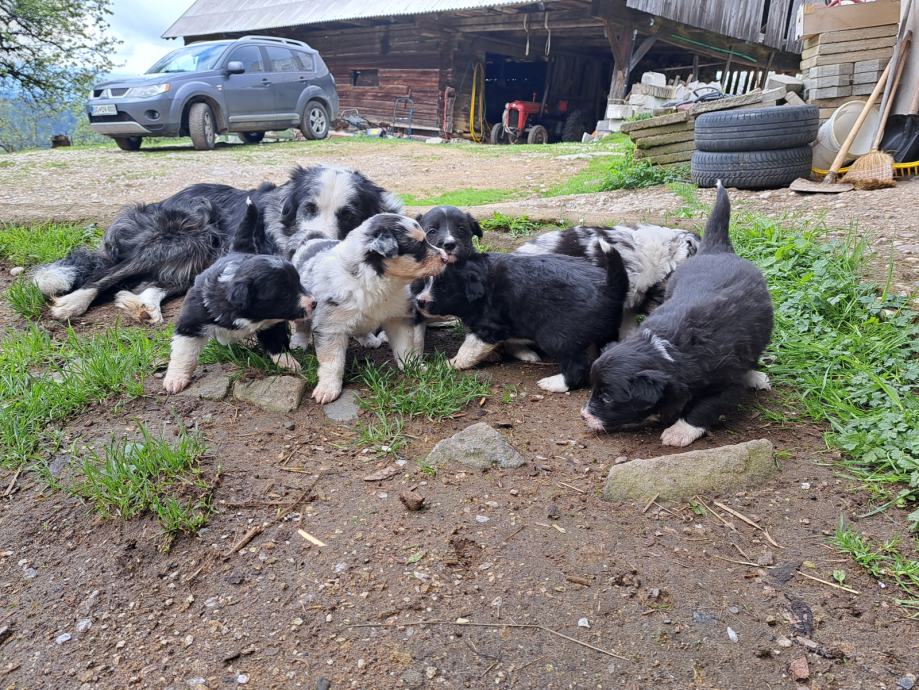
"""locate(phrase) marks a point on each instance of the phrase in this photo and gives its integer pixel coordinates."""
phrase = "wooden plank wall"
(737, 18)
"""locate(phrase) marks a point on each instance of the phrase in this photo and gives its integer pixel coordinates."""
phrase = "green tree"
(51, 50)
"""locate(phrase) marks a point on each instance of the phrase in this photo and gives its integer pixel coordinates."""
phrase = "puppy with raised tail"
(240, 295)
(692, 358)
(361, 283)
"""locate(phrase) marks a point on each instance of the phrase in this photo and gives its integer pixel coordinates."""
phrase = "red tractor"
(530, 121)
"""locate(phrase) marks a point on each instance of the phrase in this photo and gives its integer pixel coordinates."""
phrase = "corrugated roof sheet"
(207, 17)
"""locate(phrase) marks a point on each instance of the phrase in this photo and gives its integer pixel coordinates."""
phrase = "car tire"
(574, 127)
(498, 135)
(202, 128)
(315, 121)
(129, 143)
(760, 129)
(751, 169)
(251, 137)
(538, 135)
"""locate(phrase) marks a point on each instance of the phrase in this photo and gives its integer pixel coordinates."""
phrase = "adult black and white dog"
(567, 307)
(150, 252)
(240, 295)
(694, 355)
(650, 254)
(360, 284)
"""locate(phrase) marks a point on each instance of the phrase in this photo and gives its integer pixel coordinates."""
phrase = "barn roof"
(206, 17)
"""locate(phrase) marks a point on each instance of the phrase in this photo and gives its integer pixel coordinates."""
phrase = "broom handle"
(901, 32)
(847, 144)
(892, 95)
(914, 106)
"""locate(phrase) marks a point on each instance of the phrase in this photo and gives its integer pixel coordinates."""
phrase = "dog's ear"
(475, 286)
(206, 212)
(648, 386)
(289, 209)
(239, 295)
(474, 225)
(384, 244)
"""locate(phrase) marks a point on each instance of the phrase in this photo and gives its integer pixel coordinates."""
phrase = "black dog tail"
(617, 278)
(79, 267)
(717, 237)
(250, 235)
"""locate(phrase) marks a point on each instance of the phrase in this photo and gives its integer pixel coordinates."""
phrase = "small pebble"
(361, 663)
(799, 669)
(805, 485)
(734, 609)
(732, 635)
(290, 426)
(412, 500)
(430, 672)
(242, 679)
(17, 270)
(62, 638)
(481, 519)
(84, 624)
(783, 642)
(583, 623)
(907, 682)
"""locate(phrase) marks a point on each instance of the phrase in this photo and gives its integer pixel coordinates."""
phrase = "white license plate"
(104, 110)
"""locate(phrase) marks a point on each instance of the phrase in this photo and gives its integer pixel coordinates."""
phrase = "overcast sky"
(139, 23)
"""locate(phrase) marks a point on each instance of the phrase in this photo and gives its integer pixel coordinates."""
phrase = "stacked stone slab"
(840, 66)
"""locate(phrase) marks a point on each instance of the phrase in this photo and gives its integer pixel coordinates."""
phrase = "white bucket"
(834, 131)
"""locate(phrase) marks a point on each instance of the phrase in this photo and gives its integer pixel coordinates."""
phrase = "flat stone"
(712, 470)
(273, 393)
(799, 669)
(478, 446)
(343, 410)
(214, 386)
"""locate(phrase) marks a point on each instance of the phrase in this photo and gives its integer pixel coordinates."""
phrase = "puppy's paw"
(372, 341)
(285, 360)
(461, 363)
(135, 308)
(757, 380)
(525, 354)
(326, 391)
(553, 384)
(299, 341)
(681, 434)
(174, 383)
(72, 304)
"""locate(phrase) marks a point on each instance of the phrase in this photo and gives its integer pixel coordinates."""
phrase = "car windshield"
(193, 58)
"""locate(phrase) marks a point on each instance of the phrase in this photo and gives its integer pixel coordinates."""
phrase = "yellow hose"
(477, 104)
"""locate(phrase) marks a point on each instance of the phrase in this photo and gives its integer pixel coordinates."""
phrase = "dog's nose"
(450, 245)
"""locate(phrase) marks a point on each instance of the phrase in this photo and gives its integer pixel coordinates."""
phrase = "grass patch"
(515, 226)
(43, 381)
(27, 245)
(429, 389)
(463, 197)
(25, 298)
(628, 172)
(132, 477)
(245, 358)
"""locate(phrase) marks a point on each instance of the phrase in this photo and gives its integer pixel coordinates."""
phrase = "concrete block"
(830, 70)
(872, 77)
(829, 92)
(791, 98)
(876, 65)
(824, 82)
(863, 89)
(620, 112)
(790, 83)
(654, 79)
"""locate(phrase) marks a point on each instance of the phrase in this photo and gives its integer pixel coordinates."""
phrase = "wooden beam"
(621, 40)
(642, 50)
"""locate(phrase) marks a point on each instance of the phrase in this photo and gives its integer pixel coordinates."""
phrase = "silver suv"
(249, 85)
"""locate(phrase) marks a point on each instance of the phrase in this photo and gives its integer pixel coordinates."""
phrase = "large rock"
(712, 470)
(273, 393)
(477, 446)
(214, 386)
(343, 410)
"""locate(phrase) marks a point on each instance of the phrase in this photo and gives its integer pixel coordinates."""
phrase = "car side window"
(250, 56)
(306, 60)
(282, 60)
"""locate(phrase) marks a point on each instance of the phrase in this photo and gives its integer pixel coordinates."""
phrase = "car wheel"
(573, 129)
(251, 137)
(129, 143)
(201, 127)
(315, 121)
(498, 135)
(751, 169)
(760, 129)
(538, 135)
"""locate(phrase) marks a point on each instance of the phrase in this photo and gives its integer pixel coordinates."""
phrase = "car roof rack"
(275, 39)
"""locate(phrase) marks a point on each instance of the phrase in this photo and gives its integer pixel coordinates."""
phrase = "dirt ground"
(673, 599)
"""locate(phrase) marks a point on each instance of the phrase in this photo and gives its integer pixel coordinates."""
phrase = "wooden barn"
(396, 61)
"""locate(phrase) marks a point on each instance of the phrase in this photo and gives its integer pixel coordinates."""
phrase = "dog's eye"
(311, 208)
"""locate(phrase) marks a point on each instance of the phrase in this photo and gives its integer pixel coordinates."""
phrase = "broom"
(874, 170)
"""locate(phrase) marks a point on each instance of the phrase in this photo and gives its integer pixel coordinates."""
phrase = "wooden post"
(621, 40)
(695, 67)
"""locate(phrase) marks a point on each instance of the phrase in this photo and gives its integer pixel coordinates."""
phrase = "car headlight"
(147, 91)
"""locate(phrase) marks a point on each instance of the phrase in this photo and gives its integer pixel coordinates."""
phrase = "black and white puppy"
(149, 253)
(322, 201)
(360, 284)
(564, 305)
(452, 230)
(650, 254)
(695, 354)
(240, 295)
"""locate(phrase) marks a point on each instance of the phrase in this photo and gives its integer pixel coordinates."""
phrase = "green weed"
(463, 197)
(515, 226)
(25, 298)
(27, 245)
(245, 358)
(628, 172)
(130, 478)
(885, 562)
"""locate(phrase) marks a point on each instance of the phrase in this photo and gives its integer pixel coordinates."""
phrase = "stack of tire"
(762, 148)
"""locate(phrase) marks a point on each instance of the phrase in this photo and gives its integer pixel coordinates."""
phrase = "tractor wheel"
(498, 135)
(538, 135)
(574, 128)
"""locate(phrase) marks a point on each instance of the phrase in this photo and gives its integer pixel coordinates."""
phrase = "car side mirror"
(235, 67)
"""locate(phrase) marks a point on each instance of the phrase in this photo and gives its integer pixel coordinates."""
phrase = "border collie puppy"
(361, 283)
(694, 355)
(322, 201)
(240, 295)
(156, 250)
(565, 306)
(452, 230)
(650, 254)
